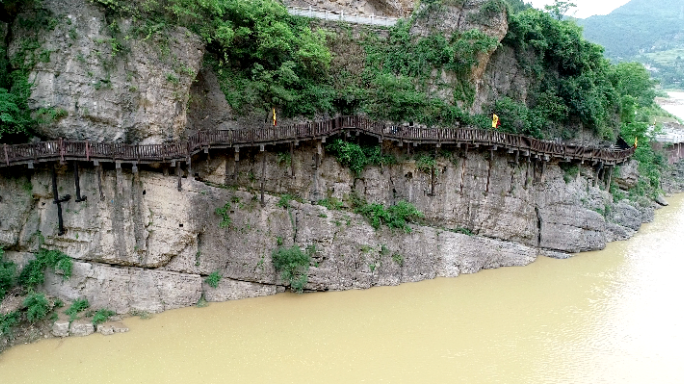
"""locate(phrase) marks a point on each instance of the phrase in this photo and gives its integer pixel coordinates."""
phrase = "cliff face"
(141, 244)
(110, 81)
(147, 246)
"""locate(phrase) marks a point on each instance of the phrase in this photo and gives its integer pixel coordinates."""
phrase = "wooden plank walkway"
(63, 150)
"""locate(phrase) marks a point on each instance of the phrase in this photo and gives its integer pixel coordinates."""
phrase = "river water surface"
(613, 316)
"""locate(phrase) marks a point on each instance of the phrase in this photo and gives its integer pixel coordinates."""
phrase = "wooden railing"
(62, 150)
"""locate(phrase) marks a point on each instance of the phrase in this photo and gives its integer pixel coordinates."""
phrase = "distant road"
(343, 17)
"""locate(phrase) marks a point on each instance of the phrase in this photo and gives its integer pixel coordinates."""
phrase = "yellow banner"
(274, 118)
(495, 121)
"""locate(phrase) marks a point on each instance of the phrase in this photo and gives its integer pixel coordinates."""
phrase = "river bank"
(674, 104)
(607, 315)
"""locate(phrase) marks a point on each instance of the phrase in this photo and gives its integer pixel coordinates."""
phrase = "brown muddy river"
(613, 316)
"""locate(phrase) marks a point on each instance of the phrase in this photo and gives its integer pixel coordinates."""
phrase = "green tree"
(559, 8)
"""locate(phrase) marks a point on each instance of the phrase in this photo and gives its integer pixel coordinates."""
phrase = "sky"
(586, 8)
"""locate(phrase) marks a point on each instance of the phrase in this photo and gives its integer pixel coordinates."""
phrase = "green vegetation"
(34, 273)
(266, 58)
(640, 25)
(285, 199)
(102, 315)
(293, 265)
(17, 123)
(397, 216)
(463, 231)
(399, 259)
(425, 163)
(570, 171)
(37, 307)
(357, 157)
(649, 31)
(213, 279)
(7, 275)
(8, 321)
(78, 306)
(332, 204)
(397, 79)
(573, 79)
(284, 158)
(224, 213)
(15, 116)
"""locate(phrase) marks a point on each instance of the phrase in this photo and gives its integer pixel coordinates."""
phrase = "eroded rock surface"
(108, 88)
(147, 247)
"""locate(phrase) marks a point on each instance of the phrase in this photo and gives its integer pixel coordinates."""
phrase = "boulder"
(112, 327)
(60, 328)
(81, 327)
(626, 215)
(627, 175)
(661, 200)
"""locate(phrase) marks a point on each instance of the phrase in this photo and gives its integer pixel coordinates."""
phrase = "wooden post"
(432, 181)
(77, 181)
(189, 163)
(236, 161)
(178, 175)
(57, 201)
(263, 177)
(61, 151)
(292, 166)
(98, 167)
(319, 153)
(609, 178)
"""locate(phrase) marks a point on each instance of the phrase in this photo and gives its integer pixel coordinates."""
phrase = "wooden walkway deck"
(63, 150)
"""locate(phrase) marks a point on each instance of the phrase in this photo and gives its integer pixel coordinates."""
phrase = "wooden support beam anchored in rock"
(609, 178)
(263, 175)
(236, 161)
(179, 174)
(599, 173)
(292, 165)
(98, 170)
(58, 202)
(317, 163)
(119, 178)
(77, 181)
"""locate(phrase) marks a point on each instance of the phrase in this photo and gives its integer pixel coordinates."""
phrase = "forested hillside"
(649, 31)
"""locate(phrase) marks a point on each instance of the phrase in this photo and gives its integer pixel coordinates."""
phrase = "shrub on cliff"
(396, 216)
(293, 265)
(357, 157)
(102, 315)
(15, 117)
(37, 307)
(34, 273)
(7, 272)
(7, 321)
(78, 306)
(213, 279)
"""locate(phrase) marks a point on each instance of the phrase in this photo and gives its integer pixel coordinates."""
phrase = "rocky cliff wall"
(108, 80)
(147, 246)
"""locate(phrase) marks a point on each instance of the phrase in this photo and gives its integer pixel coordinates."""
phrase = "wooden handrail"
(60, 150)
